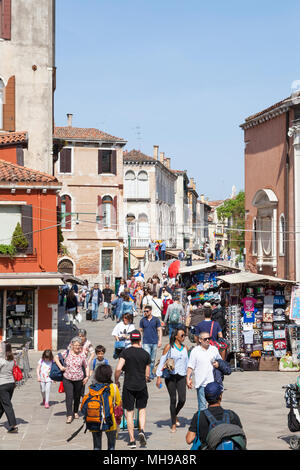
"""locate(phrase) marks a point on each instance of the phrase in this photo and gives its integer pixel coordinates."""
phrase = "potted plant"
(19, 241)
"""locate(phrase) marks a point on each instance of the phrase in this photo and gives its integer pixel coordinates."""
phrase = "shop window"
(20, 317)
(107, 161)
(106, 260)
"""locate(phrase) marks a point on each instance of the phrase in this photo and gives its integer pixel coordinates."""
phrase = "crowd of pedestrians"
(143, 311)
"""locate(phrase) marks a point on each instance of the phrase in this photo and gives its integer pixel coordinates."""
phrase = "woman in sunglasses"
(176, 382)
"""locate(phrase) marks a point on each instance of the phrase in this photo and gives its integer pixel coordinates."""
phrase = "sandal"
(69, 419)
(76, 416)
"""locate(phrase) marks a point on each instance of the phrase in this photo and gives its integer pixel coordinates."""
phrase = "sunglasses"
(182, 336)
(206, 339)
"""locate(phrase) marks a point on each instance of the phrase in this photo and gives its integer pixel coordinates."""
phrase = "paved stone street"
(257, 397)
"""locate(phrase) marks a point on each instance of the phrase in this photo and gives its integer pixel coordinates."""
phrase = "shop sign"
(295, 303)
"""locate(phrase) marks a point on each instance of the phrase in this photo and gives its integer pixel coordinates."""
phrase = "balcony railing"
(144, 243)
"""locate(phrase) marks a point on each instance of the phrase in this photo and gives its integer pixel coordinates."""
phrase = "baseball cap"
(212, 391)
(135, 335)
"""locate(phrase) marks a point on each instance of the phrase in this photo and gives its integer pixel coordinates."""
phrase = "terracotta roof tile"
(12, 173)
(79, 133)
(10, 138)
(137, 155)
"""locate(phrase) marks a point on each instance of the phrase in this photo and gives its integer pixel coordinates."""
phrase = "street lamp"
(129, 220)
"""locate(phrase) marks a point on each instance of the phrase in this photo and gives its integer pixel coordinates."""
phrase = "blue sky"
(179, 74)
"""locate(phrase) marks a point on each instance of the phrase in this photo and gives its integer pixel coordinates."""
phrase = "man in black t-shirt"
(135, 362)
(213, 395)
(107, 296)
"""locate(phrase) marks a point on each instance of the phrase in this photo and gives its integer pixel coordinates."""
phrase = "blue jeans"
(172, 327)
(87, 298)
(201, 399)
(163, 255)
(151, 349)
(95, 310)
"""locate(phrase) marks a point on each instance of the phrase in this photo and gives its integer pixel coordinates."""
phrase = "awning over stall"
(222, 266)
(31, 280)
(248, 278)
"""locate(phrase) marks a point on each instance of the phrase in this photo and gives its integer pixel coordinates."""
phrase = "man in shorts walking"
(135, 362)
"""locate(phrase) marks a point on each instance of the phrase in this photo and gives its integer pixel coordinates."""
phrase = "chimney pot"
(162, 157)
(155, 151)
(70, 119)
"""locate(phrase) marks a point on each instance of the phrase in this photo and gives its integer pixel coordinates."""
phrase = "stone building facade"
(27, 76)
(90, 168)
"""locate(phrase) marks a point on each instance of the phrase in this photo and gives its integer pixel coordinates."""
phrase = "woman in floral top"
(75, 375)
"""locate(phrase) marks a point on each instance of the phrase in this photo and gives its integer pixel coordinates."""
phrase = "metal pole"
(129, 267)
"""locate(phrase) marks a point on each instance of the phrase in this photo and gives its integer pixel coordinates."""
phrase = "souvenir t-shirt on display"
(249, 303)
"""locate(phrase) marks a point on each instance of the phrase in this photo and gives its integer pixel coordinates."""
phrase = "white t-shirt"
(201, 362)
(157, 307)
(121, 328)
(45, 370)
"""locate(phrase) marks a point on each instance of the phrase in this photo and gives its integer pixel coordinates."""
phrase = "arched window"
(107, 211)
(143, 226)
(65, 209)
(66, 266)
(130, 185)
(142, 185)
(281, 235)
(2, 88)
(131, 225)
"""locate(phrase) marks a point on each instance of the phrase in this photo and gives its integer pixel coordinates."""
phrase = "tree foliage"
(234, 211)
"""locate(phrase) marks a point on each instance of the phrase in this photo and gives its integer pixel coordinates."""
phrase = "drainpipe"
(286, 202)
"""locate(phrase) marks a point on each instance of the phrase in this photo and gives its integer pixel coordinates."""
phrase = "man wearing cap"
(213, 394)
(203, 359)
(135, 362)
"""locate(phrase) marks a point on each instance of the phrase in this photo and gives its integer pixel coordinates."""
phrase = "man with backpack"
(174, 316)
(214, 427)
(135, 362)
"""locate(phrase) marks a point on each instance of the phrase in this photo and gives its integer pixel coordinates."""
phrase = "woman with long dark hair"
(176, 383)
(7, 387)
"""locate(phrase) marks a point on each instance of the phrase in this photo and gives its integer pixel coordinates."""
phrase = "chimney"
(70, 118)
(155, 151)
(162, 157)
(168, 162)
(202, 198)
(193, 184)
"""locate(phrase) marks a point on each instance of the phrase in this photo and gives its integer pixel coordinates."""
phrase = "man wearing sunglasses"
(202, 361)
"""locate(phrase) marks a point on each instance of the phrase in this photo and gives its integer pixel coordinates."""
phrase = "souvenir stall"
(201, 281)
(257, 317)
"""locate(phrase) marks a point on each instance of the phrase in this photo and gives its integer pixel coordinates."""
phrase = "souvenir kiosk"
(257, 318)
(201, 281)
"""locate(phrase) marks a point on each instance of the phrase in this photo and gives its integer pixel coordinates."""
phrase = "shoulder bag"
(118, 410)
(17, 373)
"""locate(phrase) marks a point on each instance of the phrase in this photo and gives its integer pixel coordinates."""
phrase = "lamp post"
(129, 221)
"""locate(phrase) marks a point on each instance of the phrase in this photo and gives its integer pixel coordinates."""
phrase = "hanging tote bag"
(196, 442)
(17, 373)
(169, 366)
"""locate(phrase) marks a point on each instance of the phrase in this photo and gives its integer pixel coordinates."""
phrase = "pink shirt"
(74, 364)
(249, 303)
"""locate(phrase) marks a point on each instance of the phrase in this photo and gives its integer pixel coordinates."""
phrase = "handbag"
(169, 366)
(118, 410)
(55, 373)
(221, 343)
(196, 442)
(17, 373)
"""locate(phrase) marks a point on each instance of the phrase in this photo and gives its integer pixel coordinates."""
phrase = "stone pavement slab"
(257, 397)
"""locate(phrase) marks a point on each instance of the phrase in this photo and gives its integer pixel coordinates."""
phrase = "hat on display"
(135, 335)
(212, 391)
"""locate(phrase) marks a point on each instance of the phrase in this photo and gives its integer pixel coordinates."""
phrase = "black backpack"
(293, 423)
(223, 435)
